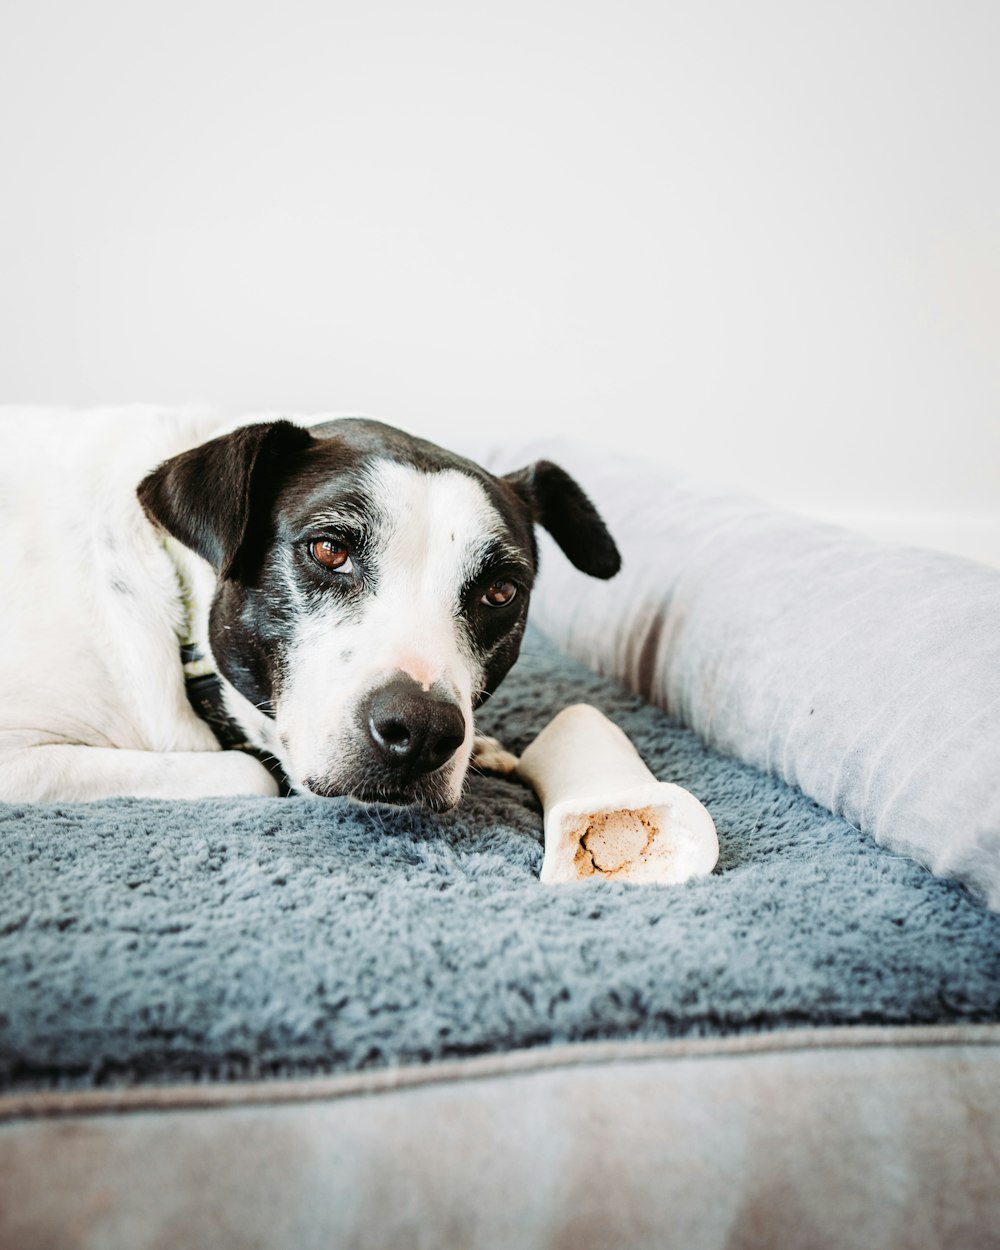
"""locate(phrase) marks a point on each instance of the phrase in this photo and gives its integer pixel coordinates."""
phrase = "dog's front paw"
(490, 756)
(231, 773)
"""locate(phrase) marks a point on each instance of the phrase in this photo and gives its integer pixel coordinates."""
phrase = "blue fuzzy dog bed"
(155, 942)
(799, 1050)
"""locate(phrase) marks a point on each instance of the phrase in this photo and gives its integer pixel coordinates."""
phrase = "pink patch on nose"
(420, 670)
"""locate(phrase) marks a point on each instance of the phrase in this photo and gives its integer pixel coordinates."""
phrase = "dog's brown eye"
(331, 555)
(499, 594)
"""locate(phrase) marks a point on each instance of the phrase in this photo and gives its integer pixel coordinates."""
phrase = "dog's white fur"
(92, 696)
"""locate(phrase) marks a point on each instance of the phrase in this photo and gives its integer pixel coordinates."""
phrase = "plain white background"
(759, 241)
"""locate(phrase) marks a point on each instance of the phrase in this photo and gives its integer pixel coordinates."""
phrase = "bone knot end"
(605, 814)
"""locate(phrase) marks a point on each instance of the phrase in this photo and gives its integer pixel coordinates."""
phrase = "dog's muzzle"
(404, 736)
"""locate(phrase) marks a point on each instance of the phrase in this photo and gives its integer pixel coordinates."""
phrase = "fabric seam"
(55, 1104)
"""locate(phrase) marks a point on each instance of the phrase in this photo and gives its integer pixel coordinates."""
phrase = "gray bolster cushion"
(865, 673)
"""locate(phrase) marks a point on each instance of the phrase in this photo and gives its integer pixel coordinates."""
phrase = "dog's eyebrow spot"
(120, 587)
(335, 519)
(495, 551)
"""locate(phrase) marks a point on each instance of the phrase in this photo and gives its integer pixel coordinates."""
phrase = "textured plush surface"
(148, 940)
(864, 672)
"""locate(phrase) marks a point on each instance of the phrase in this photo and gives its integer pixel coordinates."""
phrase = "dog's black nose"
(414, 731)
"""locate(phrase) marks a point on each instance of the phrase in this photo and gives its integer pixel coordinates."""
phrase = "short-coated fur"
(93, 698)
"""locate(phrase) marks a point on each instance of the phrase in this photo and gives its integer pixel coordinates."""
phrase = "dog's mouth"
(431, 793)
(431, 803)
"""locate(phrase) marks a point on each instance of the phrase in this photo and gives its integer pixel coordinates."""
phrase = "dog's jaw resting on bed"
(358, 591)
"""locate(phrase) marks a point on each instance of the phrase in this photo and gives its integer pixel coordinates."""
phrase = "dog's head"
(372, 591)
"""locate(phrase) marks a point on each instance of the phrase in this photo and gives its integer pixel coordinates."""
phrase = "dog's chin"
(432, 795)
(429, 802)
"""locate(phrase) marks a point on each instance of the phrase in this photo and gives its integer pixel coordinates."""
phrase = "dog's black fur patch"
(241, 498)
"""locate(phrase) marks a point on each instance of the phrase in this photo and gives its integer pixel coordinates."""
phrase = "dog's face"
(372, 591)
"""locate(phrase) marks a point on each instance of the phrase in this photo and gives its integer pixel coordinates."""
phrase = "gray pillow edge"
(629, 629)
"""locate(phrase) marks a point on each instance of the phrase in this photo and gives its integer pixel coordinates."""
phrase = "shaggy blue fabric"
(145, 941)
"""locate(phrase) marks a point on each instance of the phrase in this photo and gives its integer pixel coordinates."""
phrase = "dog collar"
(202, 683)
(193, 659)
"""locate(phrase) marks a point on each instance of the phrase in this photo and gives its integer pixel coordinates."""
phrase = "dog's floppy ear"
(558, 503)
(205, 497)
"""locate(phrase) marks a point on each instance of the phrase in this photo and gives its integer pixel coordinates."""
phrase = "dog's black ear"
(208, 498)
(558, 503)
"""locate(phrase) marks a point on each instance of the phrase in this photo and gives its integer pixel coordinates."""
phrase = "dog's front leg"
(73, 774)
(490, 756)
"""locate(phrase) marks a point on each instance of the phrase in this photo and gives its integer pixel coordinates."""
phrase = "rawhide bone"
(606, 815)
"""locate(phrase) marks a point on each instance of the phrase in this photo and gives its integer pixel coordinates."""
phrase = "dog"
(193, 610)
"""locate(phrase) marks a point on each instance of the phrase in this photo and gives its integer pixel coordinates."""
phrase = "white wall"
(763, 239)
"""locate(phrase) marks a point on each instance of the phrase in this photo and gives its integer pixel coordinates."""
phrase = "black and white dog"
(352, 592)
